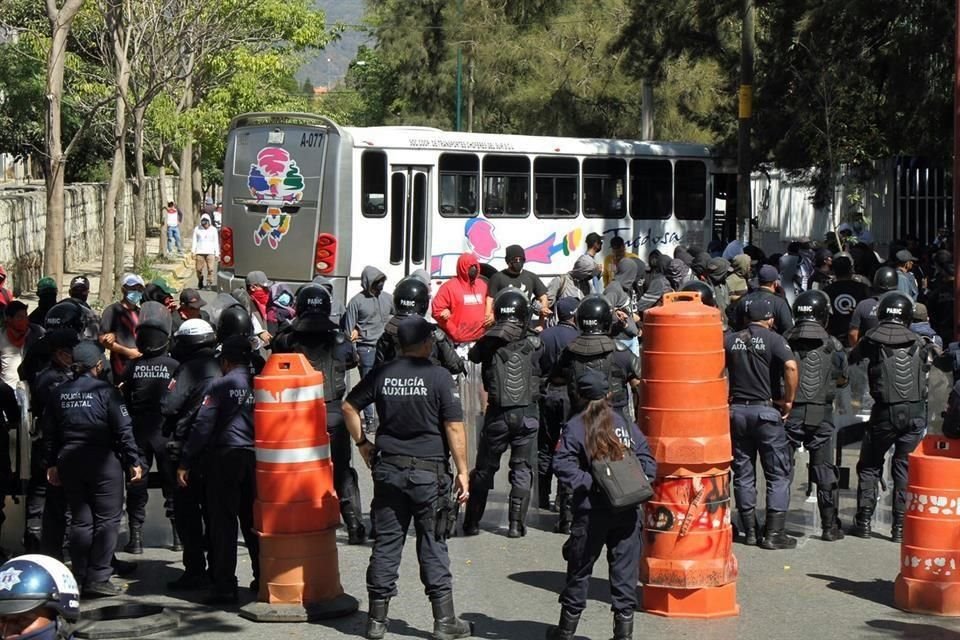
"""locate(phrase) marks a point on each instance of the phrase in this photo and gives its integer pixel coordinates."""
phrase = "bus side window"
(557, 190)
(651, 189)
(459, 177)
(373, 184)
(604, 187)
(506, 186)
(690, 198)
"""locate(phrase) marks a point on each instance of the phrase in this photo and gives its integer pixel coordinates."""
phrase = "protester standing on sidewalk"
(206, 249)
(173, 217)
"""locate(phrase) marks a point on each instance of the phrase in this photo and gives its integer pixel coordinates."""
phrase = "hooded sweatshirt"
(576, 283)
(737, 281)
(465, 300)
(367, 313)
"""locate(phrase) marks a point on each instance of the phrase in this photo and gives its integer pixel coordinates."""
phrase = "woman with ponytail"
(599, 433)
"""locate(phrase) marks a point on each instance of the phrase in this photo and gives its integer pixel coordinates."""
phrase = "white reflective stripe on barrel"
(293, 456)
(293, 394)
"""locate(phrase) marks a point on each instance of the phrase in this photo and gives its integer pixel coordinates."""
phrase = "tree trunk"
(119, 247)
(185, 190)
(140, 192)
(197, 180)
(164, 198)
(53, 249)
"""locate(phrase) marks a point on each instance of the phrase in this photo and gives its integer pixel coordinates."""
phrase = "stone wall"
(23, 224)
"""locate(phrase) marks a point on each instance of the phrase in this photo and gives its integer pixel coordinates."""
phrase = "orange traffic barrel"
(294, 471)
(296, 513)
(683, 393)
(688, 568)
(929, 580)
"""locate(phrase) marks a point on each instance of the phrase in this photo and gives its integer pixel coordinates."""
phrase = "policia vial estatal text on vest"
(421, 426)
(898, 362)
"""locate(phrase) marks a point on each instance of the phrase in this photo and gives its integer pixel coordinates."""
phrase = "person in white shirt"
(173, 216)
(16, 335)
(206, 249)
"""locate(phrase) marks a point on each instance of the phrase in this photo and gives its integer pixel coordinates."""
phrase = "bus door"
(409, 222)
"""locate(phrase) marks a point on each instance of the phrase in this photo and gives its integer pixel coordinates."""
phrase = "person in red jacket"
(460, 303)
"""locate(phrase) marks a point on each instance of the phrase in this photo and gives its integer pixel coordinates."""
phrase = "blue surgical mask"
(134, 297)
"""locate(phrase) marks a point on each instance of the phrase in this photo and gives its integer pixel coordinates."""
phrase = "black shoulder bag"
(623, 481)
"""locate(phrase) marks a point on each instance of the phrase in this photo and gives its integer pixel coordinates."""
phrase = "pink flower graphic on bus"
(481, 238)
(275, 180)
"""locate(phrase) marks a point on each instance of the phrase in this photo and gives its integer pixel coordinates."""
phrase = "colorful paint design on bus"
(275, 180)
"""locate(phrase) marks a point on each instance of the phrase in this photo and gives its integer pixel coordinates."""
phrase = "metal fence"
(923, 199)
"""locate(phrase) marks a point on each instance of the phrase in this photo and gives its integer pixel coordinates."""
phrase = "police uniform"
(782, 317)
(595, 524)
(823, 368)
(509, 355)
(222, 441)
(754, 358)
(416, 402)
(898, 361)
(143, 385)
(444, 353)
(89, 439)
(554, 400)
(179, 407)
(330, 351)
(619, 365)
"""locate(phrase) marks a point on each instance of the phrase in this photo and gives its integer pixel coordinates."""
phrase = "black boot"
(748, 518)
(896, 531)
(566, 628)
(831, 525)
(377, 618)
(177, 545)
(135, 544)
(623, 626)
(446, 624)
(566, 512)
(861, 524)
(356, 532)
(476, 505)
(773, 536)
(518, 516)
(543, 492)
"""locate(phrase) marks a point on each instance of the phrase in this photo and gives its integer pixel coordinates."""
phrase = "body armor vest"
(511, 381)
(899, 374)
(318, 349)
(597, 352)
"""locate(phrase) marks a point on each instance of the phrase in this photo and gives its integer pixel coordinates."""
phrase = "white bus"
(304, 196)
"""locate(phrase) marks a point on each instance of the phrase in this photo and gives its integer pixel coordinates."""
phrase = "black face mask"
(377, 288)
(515, 266)
(472, 273)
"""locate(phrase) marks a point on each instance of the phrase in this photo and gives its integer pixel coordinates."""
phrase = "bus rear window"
(459, 176)
(506, 186)
(651, 189)
(690, 197)
(373, 184)
(604, 188)
(557, 187)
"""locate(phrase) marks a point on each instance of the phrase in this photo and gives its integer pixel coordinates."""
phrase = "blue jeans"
(368, 356)
(173, 235)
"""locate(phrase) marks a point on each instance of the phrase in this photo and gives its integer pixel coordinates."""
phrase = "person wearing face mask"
(206, 250)
(78, 293)
(17, 336)
(118, 326)
(364, 321)
(258, 288)
(46, 298)
(89, 442)
(5, 296)
(191, 307)
(460, 302)
(40, 599)
(515, 276)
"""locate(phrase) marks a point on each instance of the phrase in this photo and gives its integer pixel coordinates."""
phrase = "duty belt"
(753, 403)
(409, 462)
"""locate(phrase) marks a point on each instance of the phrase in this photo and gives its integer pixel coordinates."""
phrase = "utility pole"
(460, 69)
(956, 178)
(744, 157)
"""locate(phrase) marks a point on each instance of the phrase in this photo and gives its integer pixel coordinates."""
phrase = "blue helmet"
(32, 581)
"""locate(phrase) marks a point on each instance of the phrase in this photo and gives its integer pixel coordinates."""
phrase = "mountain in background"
(316, 69)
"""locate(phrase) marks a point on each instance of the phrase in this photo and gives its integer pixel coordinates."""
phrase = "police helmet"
(411, 297)
(313, 309)
(705, 291)
(234, 321)
(195, 333)
(895, 307)
(594, 317)
(32, 581)
(511, 305)
(64, 315)
(885, 279)
(812, 305)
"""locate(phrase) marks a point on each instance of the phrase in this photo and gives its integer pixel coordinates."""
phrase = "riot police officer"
(412, 297)
(143, 385)
(235, 320)
(823, 368)
(193, 347)
(88, 435)
(596, 524)
(421, 424)
(706, 292)
(753, 356)
(865, 314)
(509, 355)
(40, 599)
(222, 441)
(330, 351)
(898, 361)
(554, 401)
